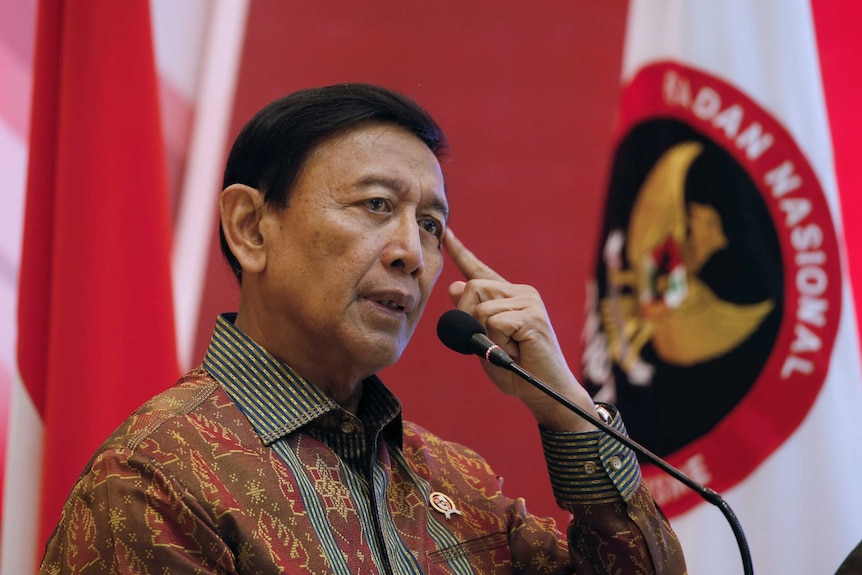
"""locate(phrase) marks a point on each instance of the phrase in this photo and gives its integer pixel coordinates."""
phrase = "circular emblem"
(718, 286)
(443, 504)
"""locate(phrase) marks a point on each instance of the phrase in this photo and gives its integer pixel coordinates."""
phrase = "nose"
(404, 246)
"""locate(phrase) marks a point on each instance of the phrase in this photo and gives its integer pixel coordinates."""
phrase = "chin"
(382, 354)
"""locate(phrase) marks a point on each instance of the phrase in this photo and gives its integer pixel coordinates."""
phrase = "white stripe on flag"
(192, 233)
(21, 490)
(22, 452)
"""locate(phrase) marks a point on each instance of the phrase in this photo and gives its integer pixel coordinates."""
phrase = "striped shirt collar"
(277, 400)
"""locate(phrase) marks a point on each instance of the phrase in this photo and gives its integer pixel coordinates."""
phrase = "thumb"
(456, 290)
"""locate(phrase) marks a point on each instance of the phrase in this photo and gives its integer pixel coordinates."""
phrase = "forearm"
(615, 520)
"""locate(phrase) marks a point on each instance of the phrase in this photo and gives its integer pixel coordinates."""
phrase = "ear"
(241, 208)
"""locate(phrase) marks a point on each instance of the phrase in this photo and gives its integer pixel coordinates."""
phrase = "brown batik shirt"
(244, 467)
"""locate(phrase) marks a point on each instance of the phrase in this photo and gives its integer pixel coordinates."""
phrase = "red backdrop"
(526, 95)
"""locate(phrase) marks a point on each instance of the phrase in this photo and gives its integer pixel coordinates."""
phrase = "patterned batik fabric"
(244, 467)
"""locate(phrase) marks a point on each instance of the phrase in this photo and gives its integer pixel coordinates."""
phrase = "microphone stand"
(705, 492)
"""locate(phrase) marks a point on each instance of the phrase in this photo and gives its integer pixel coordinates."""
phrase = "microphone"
(461, 332)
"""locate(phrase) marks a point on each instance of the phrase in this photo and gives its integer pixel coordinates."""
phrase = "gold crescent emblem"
(667, 242)
(443, 503)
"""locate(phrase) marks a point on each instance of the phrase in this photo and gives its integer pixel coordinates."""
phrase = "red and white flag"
(722, 321)
(95, 269)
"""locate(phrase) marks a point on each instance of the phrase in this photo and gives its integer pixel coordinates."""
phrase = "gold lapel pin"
(443, 503)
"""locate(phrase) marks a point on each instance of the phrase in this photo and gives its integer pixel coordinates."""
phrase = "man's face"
(352, 260)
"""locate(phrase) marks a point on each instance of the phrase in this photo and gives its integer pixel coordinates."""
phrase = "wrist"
(561, 419)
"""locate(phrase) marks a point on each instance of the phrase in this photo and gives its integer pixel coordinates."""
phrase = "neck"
(347, 399)
(343, 388)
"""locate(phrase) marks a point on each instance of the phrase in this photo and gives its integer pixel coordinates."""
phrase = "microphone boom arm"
(705, 492)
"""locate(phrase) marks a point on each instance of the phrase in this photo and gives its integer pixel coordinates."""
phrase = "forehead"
(373, 149)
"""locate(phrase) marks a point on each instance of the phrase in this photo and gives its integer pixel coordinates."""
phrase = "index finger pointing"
(471, 266)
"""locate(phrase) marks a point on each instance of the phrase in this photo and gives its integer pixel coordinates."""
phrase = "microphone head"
(456, 328)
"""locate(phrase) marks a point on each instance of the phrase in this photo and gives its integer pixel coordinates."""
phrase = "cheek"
(333, 239)
(330, 255)
(323, 243)
(343, 257)
(433, 267)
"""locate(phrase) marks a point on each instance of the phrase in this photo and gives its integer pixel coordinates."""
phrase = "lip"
(393, 301)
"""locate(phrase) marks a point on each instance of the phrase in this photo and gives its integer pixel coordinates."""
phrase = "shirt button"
(589, 467)
(616, 464)
(348, 427)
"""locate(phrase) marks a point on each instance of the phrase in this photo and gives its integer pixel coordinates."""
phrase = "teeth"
(392, 305)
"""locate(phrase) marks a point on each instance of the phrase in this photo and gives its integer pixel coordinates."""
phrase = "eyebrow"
(438, 205)
(399, 187)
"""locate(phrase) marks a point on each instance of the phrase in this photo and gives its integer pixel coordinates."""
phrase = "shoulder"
(193, 415)
(421, 445)
(189, 395)
(416, 436)
(179, 442)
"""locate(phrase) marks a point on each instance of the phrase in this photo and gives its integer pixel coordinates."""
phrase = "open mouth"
(394, 301)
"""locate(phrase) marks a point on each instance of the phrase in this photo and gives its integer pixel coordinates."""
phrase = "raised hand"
(516, 320)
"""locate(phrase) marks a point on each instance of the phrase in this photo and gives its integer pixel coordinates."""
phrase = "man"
(284, 452)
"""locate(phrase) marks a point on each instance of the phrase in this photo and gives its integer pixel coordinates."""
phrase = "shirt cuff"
(590, 467)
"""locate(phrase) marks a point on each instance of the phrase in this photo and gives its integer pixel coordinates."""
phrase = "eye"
(377, 204)
(432, 226)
